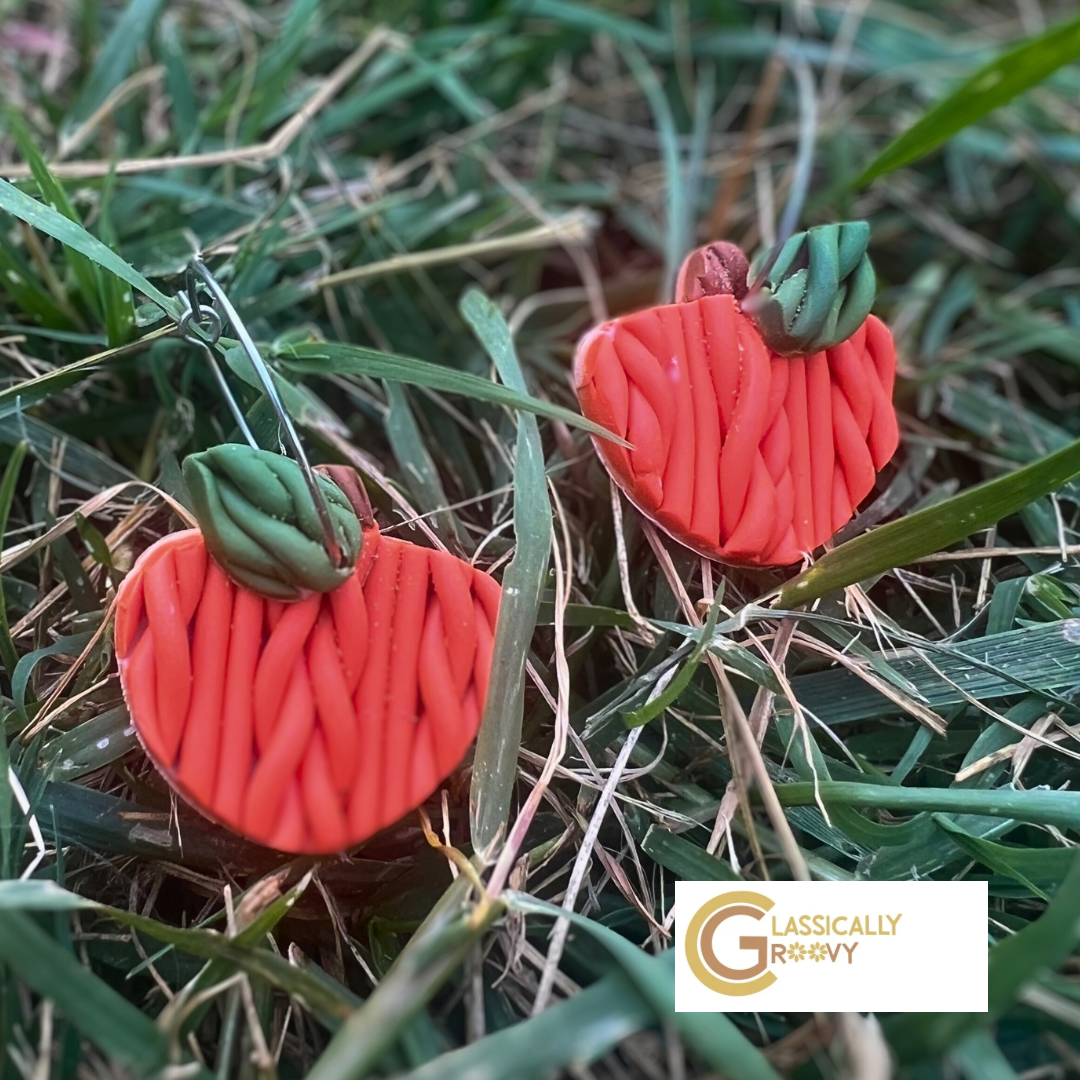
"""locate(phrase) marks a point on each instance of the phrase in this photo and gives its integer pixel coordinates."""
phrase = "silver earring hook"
(210, 324)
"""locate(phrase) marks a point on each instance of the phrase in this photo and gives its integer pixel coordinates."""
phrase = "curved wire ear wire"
(211, 322)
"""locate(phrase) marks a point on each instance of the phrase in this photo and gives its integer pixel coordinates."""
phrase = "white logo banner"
(831, 946)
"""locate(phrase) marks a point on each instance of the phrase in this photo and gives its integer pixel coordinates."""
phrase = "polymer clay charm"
(758, 419)
(303, 702)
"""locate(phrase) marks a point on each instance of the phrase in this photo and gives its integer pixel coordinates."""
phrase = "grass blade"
(280, 64)
(1042, 658)
(712, 1035)
(678, 230)
(932, 529)
(978, 1057)
(91, 745)
(1038, 806)
(433, 953)
(178, 85)
(22, 395)
(684, 858)
(72, 235)
(990, 87)
(1024, 865)
(495, 763)
(115, 61)
(85, 272)
(8, 654)
(1014, 961)
(662, 699)
(105, 1018)
(420, 475)
(36, 895)
(575, 1032)
(224, 953)
(319, 358)
(117, 301)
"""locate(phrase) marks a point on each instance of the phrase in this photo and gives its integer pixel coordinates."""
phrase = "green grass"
(416, 254)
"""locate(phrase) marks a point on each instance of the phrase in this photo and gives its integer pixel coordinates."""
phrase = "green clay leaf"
(299, 557)
(861, 287)
(851, 246)
(245, 555)
(259, 485)
(818, 292)
(822, 284)
(785, 263)
(261, 523)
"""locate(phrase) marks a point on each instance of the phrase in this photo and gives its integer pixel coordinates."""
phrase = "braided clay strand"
(306, 726)
(757, 421)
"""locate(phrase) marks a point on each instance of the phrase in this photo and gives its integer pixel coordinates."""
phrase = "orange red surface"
(307, 726)
(740, 454)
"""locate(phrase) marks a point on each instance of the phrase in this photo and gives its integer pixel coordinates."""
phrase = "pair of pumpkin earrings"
(306, 681)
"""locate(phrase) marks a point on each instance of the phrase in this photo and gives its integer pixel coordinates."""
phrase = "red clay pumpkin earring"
(293, 674)
(758, 418)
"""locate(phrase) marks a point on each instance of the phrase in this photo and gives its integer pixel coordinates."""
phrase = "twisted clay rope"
(306, 726)
(744, 456)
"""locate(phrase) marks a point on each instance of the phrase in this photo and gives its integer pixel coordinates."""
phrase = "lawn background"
(416, 208)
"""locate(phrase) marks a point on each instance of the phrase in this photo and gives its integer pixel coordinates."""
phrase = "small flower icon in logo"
(817, 951)
(796, 952)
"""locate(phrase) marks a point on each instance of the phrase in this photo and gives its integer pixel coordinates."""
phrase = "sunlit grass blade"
(48, 220)
(495, 761)
(84, 271)
(320, 358)
(991, 86)
(1038, 806)
(936, 527)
